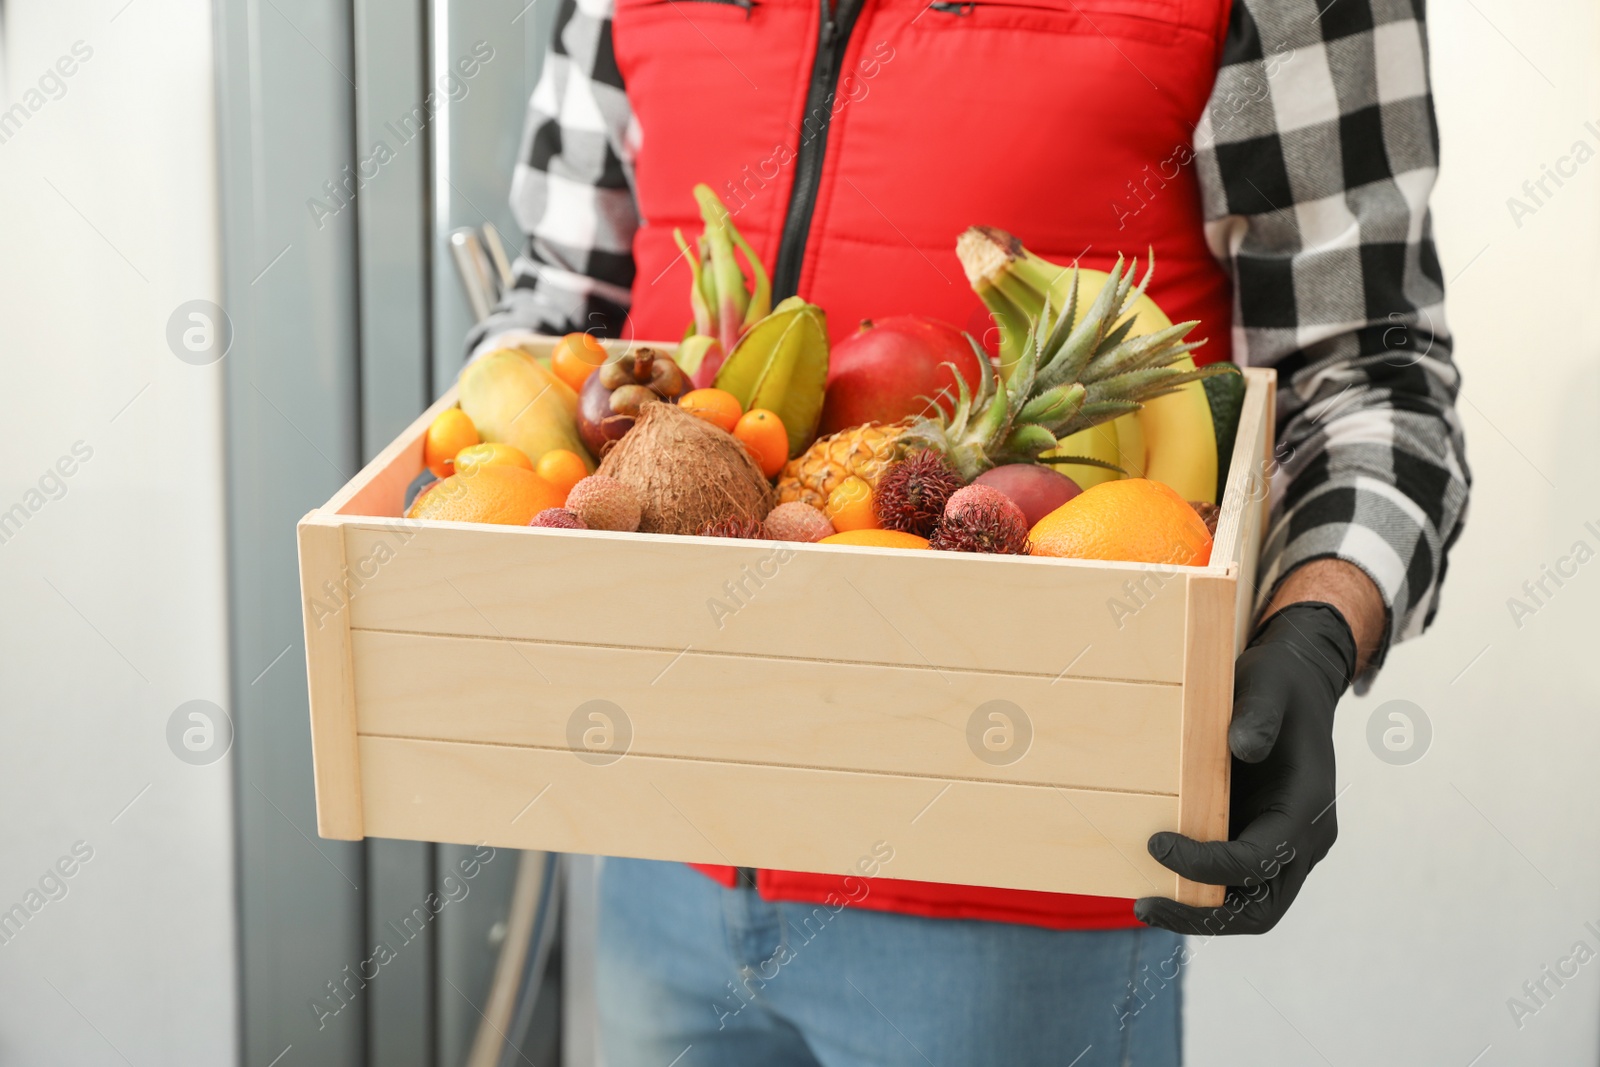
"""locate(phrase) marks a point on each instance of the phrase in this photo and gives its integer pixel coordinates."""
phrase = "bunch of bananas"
(1171, 438)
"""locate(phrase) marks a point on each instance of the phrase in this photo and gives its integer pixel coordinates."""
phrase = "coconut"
(686, 472)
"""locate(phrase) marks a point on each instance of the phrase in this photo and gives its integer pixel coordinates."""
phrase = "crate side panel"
(379, 489)
(915, 609)
(985, 833)
(1242, 520)
(957, 724)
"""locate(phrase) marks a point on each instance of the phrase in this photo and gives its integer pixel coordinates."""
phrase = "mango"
(513, 398)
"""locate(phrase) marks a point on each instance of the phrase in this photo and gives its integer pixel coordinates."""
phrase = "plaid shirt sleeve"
(572, 192)
(1316, 156)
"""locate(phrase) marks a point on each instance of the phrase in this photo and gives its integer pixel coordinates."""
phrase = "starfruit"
(781, 364)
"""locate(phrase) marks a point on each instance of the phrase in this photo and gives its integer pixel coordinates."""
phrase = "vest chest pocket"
(1154, 20)
(692, 10)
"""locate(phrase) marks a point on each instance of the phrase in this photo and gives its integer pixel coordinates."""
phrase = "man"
(1277, 156)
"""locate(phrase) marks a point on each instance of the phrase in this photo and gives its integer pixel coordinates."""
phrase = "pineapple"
(1067, 378)
(861, 451)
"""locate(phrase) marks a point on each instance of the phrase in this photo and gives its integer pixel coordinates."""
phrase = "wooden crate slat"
(1092, 734)
(915, 609)
(1012, 836)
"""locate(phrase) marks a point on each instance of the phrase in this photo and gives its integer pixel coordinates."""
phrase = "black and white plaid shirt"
(1316, 156)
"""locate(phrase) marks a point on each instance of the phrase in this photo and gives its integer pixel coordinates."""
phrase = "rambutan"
(559, 519)
(981, 519)
(733, 526)
(911, 494)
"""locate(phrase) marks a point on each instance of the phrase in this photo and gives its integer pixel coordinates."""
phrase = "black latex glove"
(1286, 685)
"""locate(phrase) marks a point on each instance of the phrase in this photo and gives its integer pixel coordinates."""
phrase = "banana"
(1171, 438)
(1097, 442)
(1130, 444)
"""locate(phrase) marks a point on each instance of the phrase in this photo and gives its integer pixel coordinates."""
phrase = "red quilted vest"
(853, 147)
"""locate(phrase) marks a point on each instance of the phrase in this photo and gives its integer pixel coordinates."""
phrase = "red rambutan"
(981, 519)
(911, 494)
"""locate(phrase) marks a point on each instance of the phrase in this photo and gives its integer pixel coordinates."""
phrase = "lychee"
(603, 503)
(558, 519)
(796, 521)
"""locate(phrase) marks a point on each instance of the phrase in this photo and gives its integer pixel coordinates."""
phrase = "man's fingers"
(1241, 863)
(1258, 706)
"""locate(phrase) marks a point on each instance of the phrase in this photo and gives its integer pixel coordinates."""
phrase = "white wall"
(113, 594)
(1459, 877)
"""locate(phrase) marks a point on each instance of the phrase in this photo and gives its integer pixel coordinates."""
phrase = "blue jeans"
(695, 975)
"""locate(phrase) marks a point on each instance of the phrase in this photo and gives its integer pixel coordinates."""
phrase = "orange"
(449, 433)
(849, 506)
(1131, 519)
(575, 357)
(717, 406)
(495, 493)
(563, 469)
(763, 436)
(876, 539)
(489, 454)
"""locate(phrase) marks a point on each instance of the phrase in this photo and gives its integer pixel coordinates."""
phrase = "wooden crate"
(994, 720)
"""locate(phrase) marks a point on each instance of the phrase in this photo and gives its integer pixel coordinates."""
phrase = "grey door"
(354, 135)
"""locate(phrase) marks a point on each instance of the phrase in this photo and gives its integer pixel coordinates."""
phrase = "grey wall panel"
(293, 429)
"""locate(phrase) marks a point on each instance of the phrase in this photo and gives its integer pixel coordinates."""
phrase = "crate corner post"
(335, 755)
(1204, 763)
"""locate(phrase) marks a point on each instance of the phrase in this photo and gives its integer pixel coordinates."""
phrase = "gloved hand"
(1286, 685)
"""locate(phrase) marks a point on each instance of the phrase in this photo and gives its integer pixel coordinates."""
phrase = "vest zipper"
(832, 37)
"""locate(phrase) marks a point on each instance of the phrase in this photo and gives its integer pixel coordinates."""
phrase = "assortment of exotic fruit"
(1089, 434)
